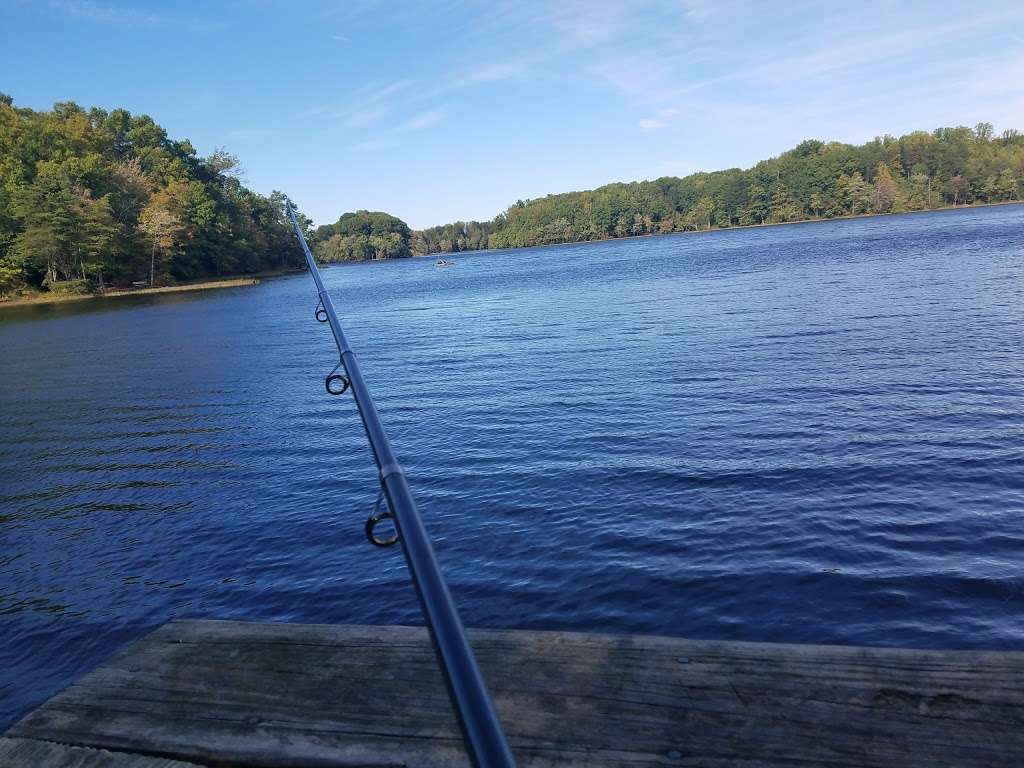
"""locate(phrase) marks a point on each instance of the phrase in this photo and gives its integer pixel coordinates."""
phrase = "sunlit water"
(808, 433)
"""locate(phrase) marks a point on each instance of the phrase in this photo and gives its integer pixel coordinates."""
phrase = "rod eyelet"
(336, 384)
(371, 523)
(377, 516)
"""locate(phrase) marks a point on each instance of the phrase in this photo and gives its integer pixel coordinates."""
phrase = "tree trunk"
(152, 264)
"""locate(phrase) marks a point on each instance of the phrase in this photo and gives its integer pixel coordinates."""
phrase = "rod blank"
(481, 729)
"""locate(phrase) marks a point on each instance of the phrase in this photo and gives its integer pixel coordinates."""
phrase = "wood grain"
(230, 693)
(30, 753)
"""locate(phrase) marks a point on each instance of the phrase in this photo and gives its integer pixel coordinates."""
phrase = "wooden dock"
(213, 693)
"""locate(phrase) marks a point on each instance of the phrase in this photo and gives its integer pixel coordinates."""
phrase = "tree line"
(362, 236)
(919, 171)
(93, 199)
(371, 235)
(814, 180)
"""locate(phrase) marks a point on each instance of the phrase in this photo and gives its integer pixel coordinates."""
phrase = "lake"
(809, 433)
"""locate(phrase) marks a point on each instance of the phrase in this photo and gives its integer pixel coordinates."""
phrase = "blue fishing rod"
(481, 729)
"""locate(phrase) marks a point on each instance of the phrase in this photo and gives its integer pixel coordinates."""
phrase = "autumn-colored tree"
(131, 191)
(162, 230)
(886, 191)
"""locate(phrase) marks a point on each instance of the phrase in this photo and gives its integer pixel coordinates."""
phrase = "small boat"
(444, 263)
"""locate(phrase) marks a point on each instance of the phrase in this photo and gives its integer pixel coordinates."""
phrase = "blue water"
(809, 433)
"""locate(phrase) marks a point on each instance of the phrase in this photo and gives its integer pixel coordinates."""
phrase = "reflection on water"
(808, 434)
(28, 312)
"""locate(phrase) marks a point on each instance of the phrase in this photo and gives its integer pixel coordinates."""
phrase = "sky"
(442, 111)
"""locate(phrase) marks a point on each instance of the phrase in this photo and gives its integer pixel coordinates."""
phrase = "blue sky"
(437, 111)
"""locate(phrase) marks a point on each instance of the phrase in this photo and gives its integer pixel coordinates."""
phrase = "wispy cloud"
(367, 105)
(421, 121)
(376, 102)
(373, 145)
(477, 74)
(417, 122)
(114, 13)
(830, 58)
(693, 73)
(359, 116)
(698, 10)
(377, 91)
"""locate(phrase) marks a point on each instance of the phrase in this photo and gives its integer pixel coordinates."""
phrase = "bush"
(71, 287)
(10, 277)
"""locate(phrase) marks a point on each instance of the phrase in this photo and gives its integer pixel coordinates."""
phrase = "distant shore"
(206, 285)
(844, 217)
(820, 220)
(236, 282)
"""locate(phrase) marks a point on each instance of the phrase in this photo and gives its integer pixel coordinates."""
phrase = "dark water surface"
(808, 433)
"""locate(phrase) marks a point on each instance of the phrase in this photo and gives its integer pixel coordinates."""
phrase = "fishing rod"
(481, 730)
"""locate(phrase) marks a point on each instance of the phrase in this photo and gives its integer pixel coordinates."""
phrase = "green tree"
(367, 235)
(759, 204)
(957, 189)
(782, 207)
(73, 185)
(95, 233)
(47, 241)
(816, 203)
(854, 193)
(702, 213)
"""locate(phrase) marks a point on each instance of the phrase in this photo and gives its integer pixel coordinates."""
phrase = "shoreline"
(823, 219)
(206, 285)
(847, 217)
(45, 298)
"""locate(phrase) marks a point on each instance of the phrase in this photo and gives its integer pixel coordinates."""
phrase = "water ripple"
(800, 434)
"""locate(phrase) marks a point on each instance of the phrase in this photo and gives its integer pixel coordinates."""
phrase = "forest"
(362, 236)
(368, 235)
(93, 199)
(814, 180)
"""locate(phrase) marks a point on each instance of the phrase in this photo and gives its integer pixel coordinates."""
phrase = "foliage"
(109, 198)
(71, 287)
(362, 236)
(452, 238)
(950, 166)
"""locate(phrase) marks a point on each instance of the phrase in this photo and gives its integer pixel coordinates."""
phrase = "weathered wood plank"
(28, 753)
(267, 695)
